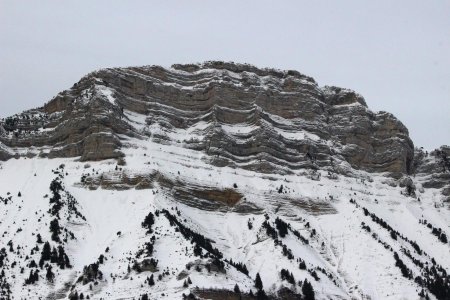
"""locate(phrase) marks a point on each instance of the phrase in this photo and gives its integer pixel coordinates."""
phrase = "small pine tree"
(148, 222)
(236, 289)
(74, 296)
(151, 281)
(198, 250)
(36, 276)
(308, 291)
(258, 282)
(250, 225)
(55, 230)
(30, 279)
(54, 256)
(280, 190)
(302, 265)
(443, 238)
(50, 275)
(39, 239)
(46, 252)
(261, 295)
(101, 258)
(393, 235)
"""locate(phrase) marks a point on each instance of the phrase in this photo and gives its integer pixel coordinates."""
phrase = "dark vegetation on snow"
(438, 232)
(432, 276)
(199, 240)
(282, 229)
(5, 287)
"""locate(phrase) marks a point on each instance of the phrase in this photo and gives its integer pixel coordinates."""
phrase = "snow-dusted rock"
(239, 115)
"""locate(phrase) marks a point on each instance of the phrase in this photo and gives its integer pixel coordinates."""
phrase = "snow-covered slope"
(164, 219)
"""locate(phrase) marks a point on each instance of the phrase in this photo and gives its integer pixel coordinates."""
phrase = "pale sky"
(395, 53)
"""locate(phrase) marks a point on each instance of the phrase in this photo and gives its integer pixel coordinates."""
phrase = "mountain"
(218, 181)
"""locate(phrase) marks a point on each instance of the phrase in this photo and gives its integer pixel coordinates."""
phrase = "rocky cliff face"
(239, 115)
(433, 169)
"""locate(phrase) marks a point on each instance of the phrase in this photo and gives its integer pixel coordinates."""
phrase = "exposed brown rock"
(288, 122)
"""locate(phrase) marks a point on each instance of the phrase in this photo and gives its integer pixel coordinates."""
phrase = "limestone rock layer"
(236, 114)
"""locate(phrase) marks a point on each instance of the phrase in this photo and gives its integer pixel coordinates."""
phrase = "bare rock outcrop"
(434, 169)
(78, 122)
(260, 119)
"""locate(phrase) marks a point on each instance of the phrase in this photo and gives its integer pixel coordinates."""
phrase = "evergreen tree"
(32, 264)
(258, 282)
(46, 252)
(261, 295)
(36, 276)
(39, 239)
(54, 256)
(32, 278)
(280, 190)
(61, 257)
(151, 281)
(74, 296)
(302, 265)
(148, 222)
(55, 230)
(308, 291)
(443, 238)
(393, 235)
(286, 275)
(198, 250)
(236, 289)
(50, 275)
(282, 227)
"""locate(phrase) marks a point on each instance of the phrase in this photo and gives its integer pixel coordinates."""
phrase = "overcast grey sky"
(395, 53)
